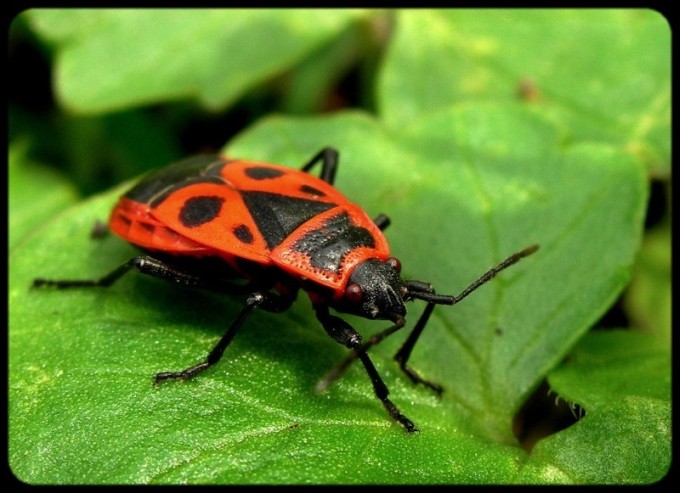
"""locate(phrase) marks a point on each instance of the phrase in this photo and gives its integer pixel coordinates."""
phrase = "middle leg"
(266, 301)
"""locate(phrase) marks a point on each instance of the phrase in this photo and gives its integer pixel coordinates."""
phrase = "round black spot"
(243, 234)
(200, 210)
(262, 173)
(311, 191)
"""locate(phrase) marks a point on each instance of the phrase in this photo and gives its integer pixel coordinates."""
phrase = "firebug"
(265, 232)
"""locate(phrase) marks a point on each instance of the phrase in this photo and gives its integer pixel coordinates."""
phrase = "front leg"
(401, 357)
(346, 335)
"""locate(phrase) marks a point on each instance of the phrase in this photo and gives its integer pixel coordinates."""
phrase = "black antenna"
(441, 299)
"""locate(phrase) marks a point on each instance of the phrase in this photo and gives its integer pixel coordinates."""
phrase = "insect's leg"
(423, 290)
(253, 301)
(152, 267)
(404, 352)
(345, 334)
(401, 357)
(328, 157)
(262, 300)
(339, 370)
(103, 282)
(382, 221)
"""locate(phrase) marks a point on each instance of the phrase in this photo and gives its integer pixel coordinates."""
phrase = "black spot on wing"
(262, 172)
(277, 216)
(312, 191)
(200, 210)
(327, 246)
(159, 198)
(243, 234)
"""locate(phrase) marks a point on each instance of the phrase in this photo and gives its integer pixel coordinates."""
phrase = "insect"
(265, 232)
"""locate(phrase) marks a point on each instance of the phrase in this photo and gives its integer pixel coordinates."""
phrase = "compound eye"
(394, 262)
(354, 293)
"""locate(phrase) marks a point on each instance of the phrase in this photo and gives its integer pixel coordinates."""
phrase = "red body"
(264, 213)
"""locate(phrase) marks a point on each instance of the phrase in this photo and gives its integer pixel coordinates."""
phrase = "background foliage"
(478, 132)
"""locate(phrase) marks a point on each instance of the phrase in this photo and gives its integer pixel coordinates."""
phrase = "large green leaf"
(113, 59)
(464, 189)
(602, 74)
(623, 379)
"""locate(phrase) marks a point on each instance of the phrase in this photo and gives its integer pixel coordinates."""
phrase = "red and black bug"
(265, 231)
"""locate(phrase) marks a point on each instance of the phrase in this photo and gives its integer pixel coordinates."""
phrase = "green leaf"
(310, 84)
(602, 74)
(648, 300)
(36, 193)
(114, 147)
(108, 59)
(622, 379)
(464, 189)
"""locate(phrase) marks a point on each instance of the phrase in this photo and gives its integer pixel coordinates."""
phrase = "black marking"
(243, 234)
(200, 210)
(156, 186)
(277, 216)
(149, 227)
(327, 246)
(124, 219)
(164, 194)
(262, 172)
(312, 191)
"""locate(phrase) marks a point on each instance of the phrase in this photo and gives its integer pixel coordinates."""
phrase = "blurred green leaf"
(622, 378)
(313, 79)
(108, 59)
(602, 74)
(648, 299)
(36, 193)
(114, 147)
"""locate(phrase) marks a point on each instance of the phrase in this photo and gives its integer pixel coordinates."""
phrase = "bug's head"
(375, 290)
